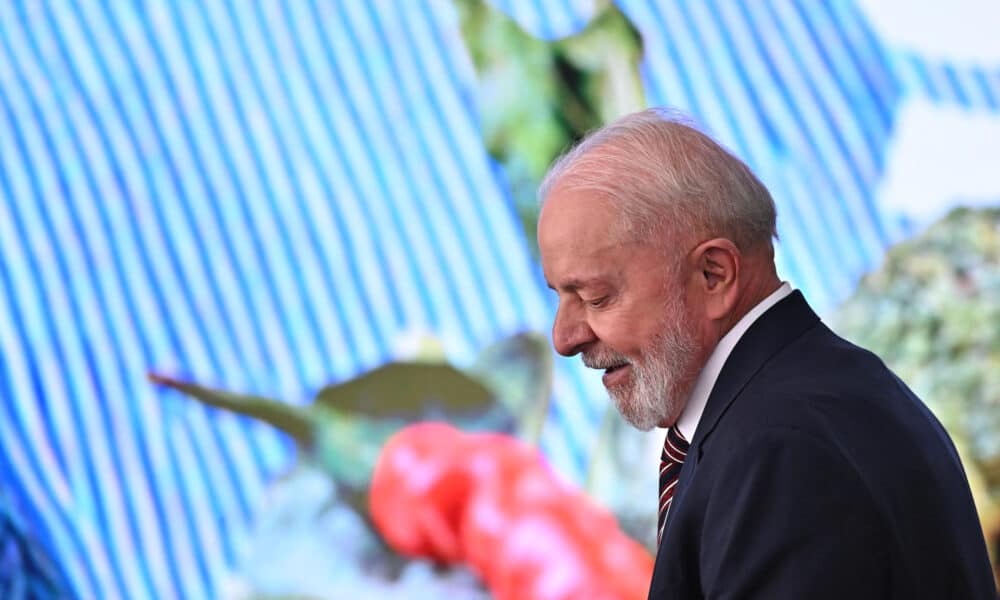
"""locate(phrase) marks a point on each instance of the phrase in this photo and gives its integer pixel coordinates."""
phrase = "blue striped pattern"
(267, 196)
(943, 83)
(783, 88)
(27, 568)
(259, 197)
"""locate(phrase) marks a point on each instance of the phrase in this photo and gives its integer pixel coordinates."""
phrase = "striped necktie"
(675, 448)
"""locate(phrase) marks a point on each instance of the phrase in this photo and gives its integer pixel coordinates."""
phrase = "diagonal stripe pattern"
(675, 449)
(267, 196)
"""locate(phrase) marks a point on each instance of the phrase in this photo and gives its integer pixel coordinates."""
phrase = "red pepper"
(491, 501)
(417, 494)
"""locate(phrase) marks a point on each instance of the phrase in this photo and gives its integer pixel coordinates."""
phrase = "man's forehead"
(568, 215)
(586, 264)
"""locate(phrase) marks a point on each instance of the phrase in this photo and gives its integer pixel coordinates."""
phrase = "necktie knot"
(675, 449)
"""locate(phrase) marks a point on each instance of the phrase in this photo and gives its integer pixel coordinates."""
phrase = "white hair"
(667, 176)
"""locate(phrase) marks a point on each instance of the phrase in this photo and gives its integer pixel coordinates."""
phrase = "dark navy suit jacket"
(816, 473)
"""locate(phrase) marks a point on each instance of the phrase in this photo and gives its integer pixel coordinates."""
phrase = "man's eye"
(597, 302)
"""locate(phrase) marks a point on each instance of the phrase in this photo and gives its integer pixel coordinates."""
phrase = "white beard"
(661, 378)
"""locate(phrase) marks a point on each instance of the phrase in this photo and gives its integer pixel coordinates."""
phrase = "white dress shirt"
(691, 415)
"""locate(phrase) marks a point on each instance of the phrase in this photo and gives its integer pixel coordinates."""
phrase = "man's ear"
(717, 264)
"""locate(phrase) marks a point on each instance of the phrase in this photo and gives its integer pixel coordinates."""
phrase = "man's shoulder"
(824, 387)
(820, 370)
(824, 412)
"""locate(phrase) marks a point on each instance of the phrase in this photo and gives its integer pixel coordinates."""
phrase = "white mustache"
(605, 360)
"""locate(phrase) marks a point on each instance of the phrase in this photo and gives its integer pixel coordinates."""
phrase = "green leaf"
(358, 416)
(295, 421)
(348, 447)
(410, 392)
(347, 425)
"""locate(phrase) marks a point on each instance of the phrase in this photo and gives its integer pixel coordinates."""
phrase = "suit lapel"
(775, 329)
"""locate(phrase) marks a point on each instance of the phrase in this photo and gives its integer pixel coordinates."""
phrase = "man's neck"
(705, 381)
(757, 289)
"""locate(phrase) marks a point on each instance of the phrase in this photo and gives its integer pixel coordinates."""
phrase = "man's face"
(621, 306)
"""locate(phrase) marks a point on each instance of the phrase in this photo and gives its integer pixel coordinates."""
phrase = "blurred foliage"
(623, 475)
(932, 312)
(305, 544)
(519, 372)
(537, 97)
(343, 430)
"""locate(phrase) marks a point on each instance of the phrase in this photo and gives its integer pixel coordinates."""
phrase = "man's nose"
(570, 331)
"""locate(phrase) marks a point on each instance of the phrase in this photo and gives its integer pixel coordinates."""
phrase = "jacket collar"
(775, 329)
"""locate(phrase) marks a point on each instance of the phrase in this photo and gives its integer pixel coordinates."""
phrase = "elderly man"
(812, 471)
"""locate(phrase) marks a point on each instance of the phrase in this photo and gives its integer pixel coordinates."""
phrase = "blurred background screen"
(238, 238)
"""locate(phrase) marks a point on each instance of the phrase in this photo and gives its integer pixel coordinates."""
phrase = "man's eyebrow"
(574, 284)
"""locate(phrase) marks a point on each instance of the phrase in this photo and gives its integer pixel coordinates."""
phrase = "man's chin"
(642, 422)
(641, 425)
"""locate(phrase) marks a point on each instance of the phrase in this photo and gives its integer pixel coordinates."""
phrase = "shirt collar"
(691, 415)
